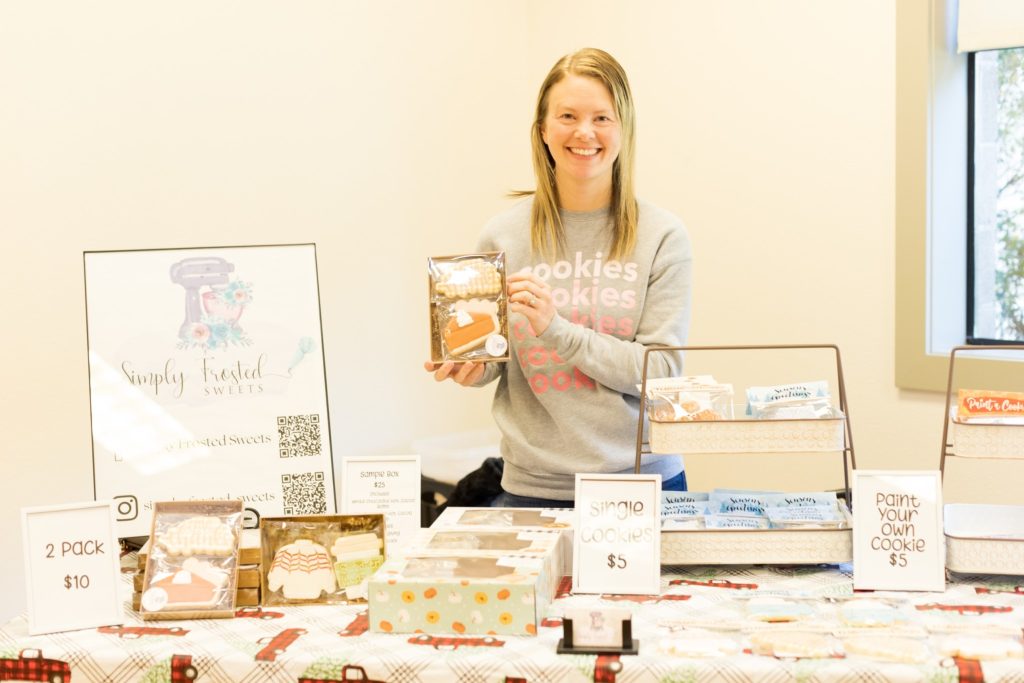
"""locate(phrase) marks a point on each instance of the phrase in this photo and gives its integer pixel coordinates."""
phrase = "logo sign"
(206, 376)
(617, 543)
(72, 567)
(388, 485)
(897, 531)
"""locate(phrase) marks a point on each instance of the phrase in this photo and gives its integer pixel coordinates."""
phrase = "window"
(931, 202)
(995, 196)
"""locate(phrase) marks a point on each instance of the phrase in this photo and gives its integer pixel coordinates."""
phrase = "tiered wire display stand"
(981, 538)
(831, 437)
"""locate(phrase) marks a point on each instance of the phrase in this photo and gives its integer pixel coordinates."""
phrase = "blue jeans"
(511, 500)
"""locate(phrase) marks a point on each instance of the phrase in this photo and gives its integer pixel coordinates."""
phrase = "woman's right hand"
(466, 373)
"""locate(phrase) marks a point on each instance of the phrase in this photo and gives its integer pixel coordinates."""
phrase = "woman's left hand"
(531, 296)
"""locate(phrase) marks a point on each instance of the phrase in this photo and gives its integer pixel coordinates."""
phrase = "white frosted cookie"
(698, 643)
(198, 536)
(867, 612)
(981, 647)
(475, 277)
(887, 648)
(776, 610)
(791, 644)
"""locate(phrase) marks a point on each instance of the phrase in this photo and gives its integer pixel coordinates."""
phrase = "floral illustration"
(213, 303)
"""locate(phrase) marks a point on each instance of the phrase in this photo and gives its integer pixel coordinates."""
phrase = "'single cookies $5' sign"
(617, 544)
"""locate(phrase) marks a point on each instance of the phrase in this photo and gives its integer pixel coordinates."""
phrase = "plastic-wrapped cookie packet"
(976, 406)
(799, 401)
(683, 509)
(697, 398)
(468, 307)
(319, 559)
(808, 517)
(192, 566)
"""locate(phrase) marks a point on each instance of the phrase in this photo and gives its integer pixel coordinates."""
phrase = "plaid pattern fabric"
(325, 644)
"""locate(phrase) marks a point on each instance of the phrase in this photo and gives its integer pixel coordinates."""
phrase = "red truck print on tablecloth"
(714, 583)
(131, 632)
(350, 673)
(453, 643)
(1017, 590)
(965, 609)
(358, 626)
(257, 613)
(31, 666)
(607, 668)
(182, 669)
(278, 644)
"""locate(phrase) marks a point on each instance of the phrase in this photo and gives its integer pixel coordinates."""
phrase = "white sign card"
(898, 542)
(617, 543)
(206, 376)
(388, 485)
(72, 567)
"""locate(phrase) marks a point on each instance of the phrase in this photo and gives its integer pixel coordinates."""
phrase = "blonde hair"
(546, 232)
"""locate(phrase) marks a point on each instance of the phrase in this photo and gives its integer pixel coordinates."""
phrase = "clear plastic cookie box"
(754, 448)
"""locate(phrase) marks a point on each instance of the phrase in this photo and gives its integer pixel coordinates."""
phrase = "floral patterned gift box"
(474, 592)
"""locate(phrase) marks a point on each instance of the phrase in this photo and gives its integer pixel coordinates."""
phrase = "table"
(315, 643)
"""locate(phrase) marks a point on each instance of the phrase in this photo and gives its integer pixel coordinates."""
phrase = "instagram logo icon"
(127, 508)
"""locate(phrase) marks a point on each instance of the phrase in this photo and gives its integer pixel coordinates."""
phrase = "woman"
(598, 277)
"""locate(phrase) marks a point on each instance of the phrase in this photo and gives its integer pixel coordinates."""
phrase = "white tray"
(984, 539)
(758, 546)
(987, 441)
(749, 436)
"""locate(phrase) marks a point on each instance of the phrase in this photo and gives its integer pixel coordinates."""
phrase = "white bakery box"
(561, 519)
(549, 544)
(984, 539)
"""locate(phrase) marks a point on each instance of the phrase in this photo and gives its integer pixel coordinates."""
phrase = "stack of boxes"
(475, 571)
(248, 593)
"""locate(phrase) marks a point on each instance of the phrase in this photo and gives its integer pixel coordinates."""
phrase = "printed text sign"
(617, 543)
(72, 567)
(388, 485)
(897, 531)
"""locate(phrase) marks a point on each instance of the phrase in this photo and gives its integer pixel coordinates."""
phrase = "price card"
(897, 531)
(617, 544)
(72, 567)
(388, 485)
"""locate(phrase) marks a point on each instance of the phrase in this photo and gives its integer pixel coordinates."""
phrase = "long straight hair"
(546, 232)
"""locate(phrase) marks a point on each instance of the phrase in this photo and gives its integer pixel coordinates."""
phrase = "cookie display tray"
(984, 539)
(986, 440)
(749, 436)
(758, 546)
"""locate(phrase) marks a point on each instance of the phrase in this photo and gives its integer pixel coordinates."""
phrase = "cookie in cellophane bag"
(468, 307)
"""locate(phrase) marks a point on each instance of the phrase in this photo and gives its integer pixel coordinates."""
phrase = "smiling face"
(582, 132)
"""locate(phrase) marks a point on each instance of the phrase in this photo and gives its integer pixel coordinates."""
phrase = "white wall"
(387, 132)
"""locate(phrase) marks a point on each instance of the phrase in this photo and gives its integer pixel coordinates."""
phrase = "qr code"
(298, 435)
(304, 493)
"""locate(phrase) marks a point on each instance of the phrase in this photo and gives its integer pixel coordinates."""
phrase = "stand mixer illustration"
(193, 274)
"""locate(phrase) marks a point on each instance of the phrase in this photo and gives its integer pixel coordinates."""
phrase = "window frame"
(927, 68)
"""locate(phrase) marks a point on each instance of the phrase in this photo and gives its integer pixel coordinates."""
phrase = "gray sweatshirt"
(567, 401)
